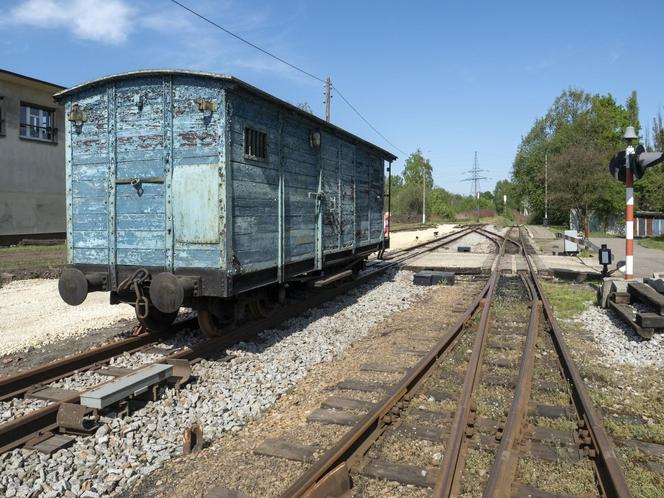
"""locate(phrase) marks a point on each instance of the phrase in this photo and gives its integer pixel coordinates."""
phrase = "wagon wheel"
(263, 306)
(156, 320)
(216, 318)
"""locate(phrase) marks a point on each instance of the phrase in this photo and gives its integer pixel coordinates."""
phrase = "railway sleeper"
(78, 413)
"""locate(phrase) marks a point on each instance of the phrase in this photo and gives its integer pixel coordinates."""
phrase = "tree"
(305, 107)
(632, 108)
(397, 186)
(440, 204)
(649, 189)
(416, 165)
(574, 119)
(579, 180)
(504, 188)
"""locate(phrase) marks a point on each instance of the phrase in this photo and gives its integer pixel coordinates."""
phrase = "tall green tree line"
(578, 136)
(407, 192)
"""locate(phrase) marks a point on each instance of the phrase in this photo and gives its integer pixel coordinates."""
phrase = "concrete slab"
(540, 232)
(457, 262)
(514, 263)
(408, 238)
(568, 266)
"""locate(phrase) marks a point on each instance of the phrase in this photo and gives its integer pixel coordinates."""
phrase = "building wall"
(32, 173)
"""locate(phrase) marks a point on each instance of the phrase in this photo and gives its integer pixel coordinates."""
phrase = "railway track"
(498, 394)
(38, 425)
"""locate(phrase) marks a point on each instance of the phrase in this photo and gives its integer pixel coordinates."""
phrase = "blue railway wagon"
(197, 189)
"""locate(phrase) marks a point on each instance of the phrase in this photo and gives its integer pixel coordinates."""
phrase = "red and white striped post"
(629, 218)
(629, 135)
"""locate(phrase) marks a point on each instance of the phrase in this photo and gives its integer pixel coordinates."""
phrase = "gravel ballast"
(618, 341)
(222, 397)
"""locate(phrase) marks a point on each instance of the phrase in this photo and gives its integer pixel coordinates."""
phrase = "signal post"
(627, 166)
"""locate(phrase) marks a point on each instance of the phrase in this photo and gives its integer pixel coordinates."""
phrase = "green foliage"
(417, 165)
(441, 204)
(579, 181)
(568, 300)
(649, 188)
(576, 119)
(653, 242)
(505, 188)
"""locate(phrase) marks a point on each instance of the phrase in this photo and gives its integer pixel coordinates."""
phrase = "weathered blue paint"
(200, 201)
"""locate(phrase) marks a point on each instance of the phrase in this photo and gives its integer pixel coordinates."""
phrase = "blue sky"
(447, 77)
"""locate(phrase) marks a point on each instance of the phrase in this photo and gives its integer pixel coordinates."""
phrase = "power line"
(293, 66)
(365, 120)
(248, 42)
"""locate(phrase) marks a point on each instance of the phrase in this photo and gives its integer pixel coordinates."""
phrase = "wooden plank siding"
(88, 182)
(351, 204)
(203, 203)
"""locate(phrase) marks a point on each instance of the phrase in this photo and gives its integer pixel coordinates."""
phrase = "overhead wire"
(293, 66)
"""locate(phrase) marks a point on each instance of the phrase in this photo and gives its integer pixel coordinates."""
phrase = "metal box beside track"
(206, 178)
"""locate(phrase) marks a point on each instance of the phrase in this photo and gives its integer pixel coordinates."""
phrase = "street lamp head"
(630, 135)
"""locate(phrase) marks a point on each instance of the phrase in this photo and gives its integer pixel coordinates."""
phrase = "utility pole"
(328, 97)
(475, 177)
(424, 196)
(546, 190)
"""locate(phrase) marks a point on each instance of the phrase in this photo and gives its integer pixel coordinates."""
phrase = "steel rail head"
(16, 385)
(352, 440)
(504, 467)
(14, 433)
(611, 476)
(452, 461)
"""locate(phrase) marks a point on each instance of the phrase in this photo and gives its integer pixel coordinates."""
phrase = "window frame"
(27, 125)
(260, 133)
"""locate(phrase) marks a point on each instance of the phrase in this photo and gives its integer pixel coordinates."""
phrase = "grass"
(653, 242)
(642, 481)
(568, 300)
(603, 235)
(561, 477)
(32, 258)
(625, 390)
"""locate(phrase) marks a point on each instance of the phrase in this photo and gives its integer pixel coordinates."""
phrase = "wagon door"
(198, 173)
(301, 178)
(141, 159)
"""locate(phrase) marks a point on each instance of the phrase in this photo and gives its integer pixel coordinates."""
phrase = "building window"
(37, 123)
(255, 144)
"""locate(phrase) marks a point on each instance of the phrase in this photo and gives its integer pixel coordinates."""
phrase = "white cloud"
(170, 36)
(106, 21)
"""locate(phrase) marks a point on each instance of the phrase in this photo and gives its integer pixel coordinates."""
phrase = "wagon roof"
(252, 89)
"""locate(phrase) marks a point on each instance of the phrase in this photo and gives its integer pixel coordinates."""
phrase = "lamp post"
(628, 137)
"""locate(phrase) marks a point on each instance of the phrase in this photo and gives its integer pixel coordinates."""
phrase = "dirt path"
(33, 314)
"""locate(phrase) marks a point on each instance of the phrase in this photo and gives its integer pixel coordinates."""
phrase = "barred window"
(255, 144)
(37, 123)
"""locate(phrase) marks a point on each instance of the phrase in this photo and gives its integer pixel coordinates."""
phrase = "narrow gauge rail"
(507, 440)
(19, 431)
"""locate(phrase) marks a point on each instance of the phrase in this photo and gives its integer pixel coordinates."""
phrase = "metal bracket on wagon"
(135, 282)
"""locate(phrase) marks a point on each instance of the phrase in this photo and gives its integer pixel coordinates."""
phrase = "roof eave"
(155, 72)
